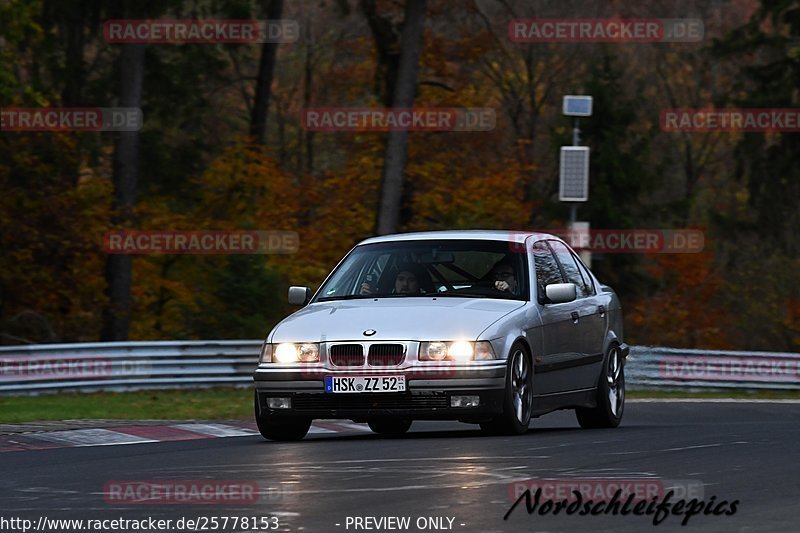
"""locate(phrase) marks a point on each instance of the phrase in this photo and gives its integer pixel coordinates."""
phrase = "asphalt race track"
(439, 477)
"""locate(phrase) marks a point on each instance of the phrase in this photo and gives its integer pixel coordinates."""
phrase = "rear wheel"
(280, 428)
(610, 395)
(390, 426)
(518, 402)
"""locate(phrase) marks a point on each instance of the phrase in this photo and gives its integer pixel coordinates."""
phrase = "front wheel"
(390, 426)
(518, 401)
(610, 395)
(280, 428)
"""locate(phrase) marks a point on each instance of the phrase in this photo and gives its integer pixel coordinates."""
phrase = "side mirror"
(299, 295)
(559, 293)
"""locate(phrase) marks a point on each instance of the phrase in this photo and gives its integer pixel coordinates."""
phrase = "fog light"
(279, 403)
(465, 401)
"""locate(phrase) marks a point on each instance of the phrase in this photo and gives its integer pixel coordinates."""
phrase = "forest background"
(223, 148)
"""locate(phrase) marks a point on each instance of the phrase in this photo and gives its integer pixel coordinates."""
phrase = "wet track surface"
(448, 472)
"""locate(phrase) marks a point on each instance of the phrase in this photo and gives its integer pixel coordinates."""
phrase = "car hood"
(393, 319)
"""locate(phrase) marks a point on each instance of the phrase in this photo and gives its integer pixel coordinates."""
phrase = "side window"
(587, 277)
(547, 271)
(571, 270)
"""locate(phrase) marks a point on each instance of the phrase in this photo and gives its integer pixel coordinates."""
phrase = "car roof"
(473, 234)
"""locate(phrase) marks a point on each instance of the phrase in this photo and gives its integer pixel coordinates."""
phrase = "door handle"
(602, 310)
(575, 317)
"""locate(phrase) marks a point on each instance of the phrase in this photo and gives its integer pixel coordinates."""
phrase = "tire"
(518, 400)
(280, 428)
(390, 426)
(610, 395)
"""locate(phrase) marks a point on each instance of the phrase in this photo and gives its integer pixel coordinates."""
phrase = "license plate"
(357, 384)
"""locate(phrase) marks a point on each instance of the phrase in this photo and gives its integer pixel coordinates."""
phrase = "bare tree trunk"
(387, 43)
(116, 318)
(74, 24)
(266, 69)
(397, 141)
(282, 150)
(307, 87)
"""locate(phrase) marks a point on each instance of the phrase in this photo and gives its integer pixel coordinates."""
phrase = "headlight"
(433, 351)
(305, 352)
(456, 351)
(460, 350)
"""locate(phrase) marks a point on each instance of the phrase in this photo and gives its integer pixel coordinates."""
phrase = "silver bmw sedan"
(485, 327)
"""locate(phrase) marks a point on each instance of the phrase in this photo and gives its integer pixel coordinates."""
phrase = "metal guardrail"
(120, 366)
(650, 367)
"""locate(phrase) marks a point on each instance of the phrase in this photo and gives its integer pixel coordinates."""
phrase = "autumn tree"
(392, 177)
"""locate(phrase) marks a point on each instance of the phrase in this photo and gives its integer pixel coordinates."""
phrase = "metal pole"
(576, 133)
(576, 141)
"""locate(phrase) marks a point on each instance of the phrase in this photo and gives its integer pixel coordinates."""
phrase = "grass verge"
(738, 394)
(204, 404)
(223, 404)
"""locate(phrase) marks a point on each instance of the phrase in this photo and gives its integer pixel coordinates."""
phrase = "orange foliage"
(52, 260)
(685, 310)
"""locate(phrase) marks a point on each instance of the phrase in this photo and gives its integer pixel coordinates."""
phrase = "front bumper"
(427, 395)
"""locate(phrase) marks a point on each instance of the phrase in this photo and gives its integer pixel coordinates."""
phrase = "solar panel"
(577, 106)
(573, 174)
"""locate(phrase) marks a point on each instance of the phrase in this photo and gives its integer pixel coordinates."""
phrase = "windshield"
(403, 269)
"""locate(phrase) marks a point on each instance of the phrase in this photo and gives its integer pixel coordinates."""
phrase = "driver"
(503, 275)
(407, 281)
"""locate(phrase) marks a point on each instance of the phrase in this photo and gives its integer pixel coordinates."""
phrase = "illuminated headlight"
(305, 352)
(456, 351)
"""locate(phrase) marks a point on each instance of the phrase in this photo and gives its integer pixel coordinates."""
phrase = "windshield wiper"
(463, 295)
(369, 296)
(345, 297)
(477, 295)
